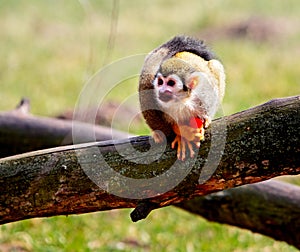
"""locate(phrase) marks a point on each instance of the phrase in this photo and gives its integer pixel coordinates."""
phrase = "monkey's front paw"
(158, 136)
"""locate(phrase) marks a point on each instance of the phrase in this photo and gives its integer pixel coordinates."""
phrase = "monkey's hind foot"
(182, 146)
(186, 138)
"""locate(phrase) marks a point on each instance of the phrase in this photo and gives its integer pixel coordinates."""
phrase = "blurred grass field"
(49, 49)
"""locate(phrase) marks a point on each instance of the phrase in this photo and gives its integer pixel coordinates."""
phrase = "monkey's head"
(182, 91)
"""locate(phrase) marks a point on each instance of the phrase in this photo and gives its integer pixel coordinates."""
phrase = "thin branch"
(22, 132)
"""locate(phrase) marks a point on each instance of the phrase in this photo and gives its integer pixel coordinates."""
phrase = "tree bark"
(261, 143)
(271, 208)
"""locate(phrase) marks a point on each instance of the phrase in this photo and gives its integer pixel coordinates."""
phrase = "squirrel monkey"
(181, 86)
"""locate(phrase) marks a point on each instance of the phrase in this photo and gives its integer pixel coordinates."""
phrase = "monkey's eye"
(160, 81)
(171, 83)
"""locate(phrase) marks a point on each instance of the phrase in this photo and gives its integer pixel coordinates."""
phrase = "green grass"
(167, 229)
(49, 49)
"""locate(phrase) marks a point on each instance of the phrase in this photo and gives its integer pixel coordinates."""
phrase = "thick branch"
(271, 208)
(262, 143)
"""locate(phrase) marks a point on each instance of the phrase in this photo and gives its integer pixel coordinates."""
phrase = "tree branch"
(271, 208)
(262, 142)
(22, 132)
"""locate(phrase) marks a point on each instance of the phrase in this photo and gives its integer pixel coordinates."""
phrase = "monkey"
(181, 86)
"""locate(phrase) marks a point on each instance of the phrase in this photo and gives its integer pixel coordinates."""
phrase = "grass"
(168, 229)
(51, 48)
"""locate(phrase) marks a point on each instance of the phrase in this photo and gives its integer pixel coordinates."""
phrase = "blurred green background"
(49, 49)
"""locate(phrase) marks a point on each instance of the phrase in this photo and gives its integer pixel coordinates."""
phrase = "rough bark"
(271, 208)
(261, 143)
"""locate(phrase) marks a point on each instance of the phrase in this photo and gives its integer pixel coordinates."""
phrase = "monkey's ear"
(193, 80)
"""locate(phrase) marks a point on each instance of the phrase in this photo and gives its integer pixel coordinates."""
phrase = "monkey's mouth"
(165, 97)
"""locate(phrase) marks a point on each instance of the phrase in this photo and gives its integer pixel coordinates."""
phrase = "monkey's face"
(169, 89)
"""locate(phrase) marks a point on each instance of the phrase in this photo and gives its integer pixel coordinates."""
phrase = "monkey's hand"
(186, 137)
(158, 136)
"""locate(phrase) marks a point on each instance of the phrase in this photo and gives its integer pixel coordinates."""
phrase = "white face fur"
(168, 90)
(200, 100)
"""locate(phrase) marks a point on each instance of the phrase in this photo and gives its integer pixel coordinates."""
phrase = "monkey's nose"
(165, 96)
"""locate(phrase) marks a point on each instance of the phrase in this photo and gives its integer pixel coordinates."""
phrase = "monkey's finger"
(197, 144)
(198, 130)
(175, 141)
(192, 153)
(183, 150)
(198, 137)
(179, 155)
